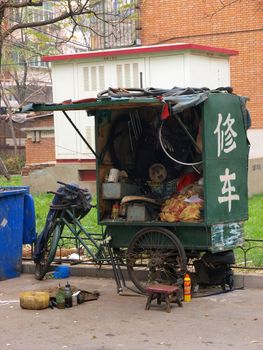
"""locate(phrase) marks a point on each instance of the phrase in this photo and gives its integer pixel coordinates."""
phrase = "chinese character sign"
(225, 134)
(226, 144)
(225, 159)
(228, 190)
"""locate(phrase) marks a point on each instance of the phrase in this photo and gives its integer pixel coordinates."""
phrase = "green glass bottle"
(60, 299)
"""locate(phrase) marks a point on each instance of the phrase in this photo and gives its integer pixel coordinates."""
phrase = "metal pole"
(80, 134)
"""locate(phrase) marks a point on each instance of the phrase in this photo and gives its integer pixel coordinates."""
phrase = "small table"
(163, 292)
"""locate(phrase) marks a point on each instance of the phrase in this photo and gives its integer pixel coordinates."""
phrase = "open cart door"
(225, 162)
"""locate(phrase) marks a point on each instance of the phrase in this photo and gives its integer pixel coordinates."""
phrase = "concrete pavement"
(246, 278)
(232, 320)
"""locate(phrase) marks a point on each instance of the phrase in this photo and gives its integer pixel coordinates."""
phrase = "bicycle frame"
(104, 253)
(76, 228)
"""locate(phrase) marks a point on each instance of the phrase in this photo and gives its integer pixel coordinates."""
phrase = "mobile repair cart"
(171, 179)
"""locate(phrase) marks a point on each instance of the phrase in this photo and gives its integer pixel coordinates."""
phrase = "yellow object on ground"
(34, 300)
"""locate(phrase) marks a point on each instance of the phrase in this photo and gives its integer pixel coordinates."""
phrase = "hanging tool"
(130, 135)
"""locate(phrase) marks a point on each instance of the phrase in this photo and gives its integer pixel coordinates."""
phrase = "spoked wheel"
(48, 252)
(155, 255)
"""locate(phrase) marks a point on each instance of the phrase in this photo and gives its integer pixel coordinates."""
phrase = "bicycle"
(69, 205)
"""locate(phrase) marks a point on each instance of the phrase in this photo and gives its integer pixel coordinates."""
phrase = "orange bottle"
(187, 288)
(115, 211)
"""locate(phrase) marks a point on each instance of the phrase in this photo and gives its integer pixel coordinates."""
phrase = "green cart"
(171, 170)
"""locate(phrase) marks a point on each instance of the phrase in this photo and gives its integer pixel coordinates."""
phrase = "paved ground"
(227, 321)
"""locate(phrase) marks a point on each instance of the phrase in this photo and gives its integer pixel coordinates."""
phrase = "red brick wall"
(238, 27)
(40, 152)
(44, 150)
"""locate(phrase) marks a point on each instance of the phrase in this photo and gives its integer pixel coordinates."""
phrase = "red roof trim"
(140, 50)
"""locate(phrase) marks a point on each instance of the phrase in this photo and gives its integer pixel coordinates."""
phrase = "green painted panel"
(225, 160)
(226, 236)
(121, 235)
(215, 238)
(224, 130)
(226, 200)
(192, 238)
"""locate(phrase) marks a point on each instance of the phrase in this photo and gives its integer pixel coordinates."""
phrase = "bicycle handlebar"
(78, 189)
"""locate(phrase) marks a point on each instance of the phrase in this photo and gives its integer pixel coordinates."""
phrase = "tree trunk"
(10, 122)
(5, 99)
(11, 126)
(3, 170)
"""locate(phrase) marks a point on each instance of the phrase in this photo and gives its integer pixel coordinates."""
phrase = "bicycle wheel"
(48, 253)
(155, 255)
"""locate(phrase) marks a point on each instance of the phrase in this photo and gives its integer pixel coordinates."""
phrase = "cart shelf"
(152, 223)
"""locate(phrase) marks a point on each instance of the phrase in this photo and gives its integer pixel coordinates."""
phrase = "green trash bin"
(11, 230)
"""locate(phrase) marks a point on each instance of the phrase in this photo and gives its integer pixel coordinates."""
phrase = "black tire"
(230, 279)
(48, 253)
(155, 255)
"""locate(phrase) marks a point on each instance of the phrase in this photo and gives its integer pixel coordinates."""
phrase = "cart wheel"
(48, 253)
(155, 255)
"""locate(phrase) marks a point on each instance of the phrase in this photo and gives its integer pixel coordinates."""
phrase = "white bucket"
(114, 175)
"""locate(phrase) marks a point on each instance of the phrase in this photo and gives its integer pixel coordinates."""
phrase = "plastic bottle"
(115, 211)
(68, 295)
(187, 288)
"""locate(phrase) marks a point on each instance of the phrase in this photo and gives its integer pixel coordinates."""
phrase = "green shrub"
(14, 164)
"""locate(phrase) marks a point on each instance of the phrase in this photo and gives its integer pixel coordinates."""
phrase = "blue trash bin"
(12, 213)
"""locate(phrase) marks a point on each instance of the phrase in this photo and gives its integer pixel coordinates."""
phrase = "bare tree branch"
(9, 112)
(224, 4)
(73, 12)
(23, 3)
(62, 17)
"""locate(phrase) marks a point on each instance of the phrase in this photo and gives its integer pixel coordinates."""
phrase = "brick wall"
(40, 152)
(238, 27)
(40, 148)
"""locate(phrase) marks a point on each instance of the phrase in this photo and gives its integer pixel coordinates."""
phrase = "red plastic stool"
(163, 292)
